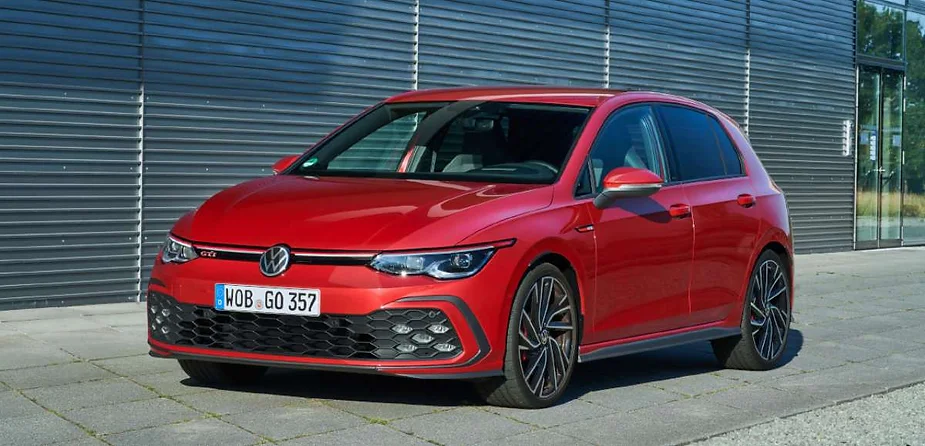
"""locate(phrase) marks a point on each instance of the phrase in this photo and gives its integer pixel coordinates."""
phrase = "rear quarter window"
(731, 159)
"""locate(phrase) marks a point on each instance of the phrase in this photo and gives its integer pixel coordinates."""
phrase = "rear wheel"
(222, 374)
(542, 342)
(765, 320)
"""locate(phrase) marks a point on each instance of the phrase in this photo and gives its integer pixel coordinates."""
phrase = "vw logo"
(274, 261)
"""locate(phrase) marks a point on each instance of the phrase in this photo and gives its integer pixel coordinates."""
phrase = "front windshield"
(466, 140)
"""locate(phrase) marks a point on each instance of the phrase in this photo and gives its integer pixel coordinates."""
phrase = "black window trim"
(663, 155)
(670, 148)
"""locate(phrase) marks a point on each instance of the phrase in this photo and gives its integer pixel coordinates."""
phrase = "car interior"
(499, 138)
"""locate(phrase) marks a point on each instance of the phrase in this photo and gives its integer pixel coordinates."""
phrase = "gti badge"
(274, 261)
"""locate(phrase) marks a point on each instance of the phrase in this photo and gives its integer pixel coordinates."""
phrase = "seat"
(479, 149)
(464, 162)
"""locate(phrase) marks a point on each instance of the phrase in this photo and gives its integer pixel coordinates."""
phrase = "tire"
(763, 340)
(222, 374)
(556, 340)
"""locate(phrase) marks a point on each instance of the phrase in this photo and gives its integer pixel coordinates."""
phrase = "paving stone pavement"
(81, 375)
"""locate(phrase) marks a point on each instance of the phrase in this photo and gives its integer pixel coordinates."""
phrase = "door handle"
(746, 200)
(679, 211)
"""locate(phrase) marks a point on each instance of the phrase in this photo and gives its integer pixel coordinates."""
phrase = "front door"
(879, 140)
(643, 253)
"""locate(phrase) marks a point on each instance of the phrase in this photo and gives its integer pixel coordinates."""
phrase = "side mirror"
(284, 163)
(626, 182)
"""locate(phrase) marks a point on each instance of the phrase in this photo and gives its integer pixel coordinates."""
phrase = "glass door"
(879, 195)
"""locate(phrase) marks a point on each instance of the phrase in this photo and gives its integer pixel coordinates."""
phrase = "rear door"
(726, 224)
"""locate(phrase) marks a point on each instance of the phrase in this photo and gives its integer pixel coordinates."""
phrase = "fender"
(770, 234)
(577, 248)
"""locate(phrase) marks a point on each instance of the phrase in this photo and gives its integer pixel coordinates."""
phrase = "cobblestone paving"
(80, 375)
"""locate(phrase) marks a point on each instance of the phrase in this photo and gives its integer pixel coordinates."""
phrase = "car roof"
(584, 97)
(574, 96)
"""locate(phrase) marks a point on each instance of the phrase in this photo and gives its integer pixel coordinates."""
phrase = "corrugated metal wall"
(694, 48)
(232, 86)
(802, 92)
(70, 76)
(498, 42)
(93, 172)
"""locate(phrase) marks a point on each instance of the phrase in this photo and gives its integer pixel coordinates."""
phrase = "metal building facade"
(117, 116)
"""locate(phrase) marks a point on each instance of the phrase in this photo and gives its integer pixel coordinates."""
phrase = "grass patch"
(913, 205)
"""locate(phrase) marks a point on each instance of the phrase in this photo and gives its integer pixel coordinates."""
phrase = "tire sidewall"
(513, 369)
(746, 311)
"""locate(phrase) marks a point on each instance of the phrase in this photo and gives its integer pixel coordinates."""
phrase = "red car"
(502, 235)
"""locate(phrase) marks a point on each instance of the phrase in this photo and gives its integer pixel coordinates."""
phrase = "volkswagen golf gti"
(498, 235)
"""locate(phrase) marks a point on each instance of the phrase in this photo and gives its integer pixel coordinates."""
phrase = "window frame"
(673, 154)
(587, 168)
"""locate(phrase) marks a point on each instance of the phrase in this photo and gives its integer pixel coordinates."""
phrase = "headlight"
(176, 251)
(458, 264)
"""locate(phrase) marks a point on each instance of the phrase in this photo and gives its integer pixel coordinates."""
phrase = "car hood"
(336, 213)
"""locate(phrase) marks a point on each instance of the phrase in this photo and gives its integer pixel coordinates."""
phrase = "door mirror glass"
(626, 182)
(284, 163)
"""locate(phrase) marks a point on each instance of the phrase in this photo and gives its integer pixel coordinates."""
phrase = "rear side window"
(730, 155)
(695, 148)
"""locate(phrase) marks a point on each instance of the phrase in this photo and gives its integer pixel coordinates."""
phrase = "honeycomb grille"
(379, 335)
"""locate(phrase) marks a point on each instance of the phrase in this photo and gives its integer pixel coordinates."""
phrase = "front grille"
(386, 334)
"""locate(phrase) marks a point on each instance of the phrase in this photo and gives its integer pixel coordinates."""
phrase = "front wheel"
(765, 319)
(542, 342)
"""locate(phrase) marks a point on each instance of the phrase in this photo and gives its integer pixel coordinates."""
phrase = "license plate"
(271, 300)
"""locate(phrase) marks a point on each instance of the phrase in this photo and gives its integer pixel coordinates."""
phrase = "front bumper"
(403, 334)
(371, 343)
(355, 333)
(358, 344)
(477, 310)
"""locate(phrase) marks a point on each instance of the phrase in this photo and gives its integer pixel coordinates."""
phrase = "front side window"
(465, 141)
(628, 139)
(695, 148)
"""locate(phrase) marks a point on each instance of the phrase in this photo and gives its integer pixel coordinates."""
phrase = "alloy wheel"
(547, 336)
(770, 309)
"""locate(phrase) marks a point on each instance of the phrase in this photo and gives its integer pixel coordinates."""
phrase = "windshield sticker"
(311, 162)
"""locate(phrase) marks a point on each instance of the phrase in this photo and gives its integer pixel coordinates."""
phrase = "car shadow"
(614, 373)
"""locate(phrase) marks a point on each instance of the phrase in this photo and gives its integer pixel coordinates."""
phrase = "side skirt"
(673, 340)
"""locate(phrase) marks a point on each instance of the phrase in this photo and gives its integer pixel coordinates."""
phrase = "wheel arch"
(558, 253)
(787, 257)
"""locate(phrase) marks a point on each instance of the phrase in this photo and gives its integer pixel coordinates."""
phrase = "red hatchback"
(502, 235)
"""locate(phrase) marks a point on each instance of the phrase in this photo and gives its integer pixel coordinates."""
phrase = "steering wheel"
(544, 164)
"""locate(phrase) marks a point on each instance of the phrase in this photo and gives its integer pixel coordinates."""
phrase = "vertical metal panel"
(478, 42)
(694, 48)
(802, 92)
(232, 86)
(69, 85)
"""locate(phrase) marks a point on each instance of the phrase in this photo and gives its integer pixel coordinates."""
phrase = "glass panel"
(914, 140)
(627, 139)
(493, 142)
(868, 177)
(693, 144)
(381, 149)
(880, 30)
(891, 150)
